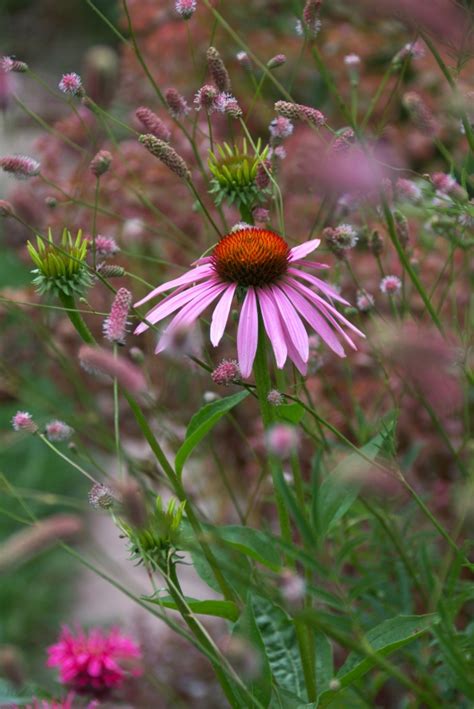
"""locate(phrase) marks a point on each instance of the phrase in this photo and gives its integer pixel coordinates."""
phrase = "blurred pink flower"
(95, 661)
(259, 261)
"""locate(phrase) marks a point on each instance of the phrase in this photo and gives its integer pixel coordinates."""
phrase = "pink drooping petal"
(221, 314)
(247, 333)
(293, 353)
(312, 264)
(299, 252)
(321, 285)
(323, 304)
(317, 321)
(201, 261)
(189, 314)
(173, 302)
(196, 274)
(292, 322)
(271, 321)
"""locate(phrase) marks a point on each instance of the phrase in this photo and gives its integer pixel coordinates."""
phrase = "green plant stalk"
(405, 261)
(76, 319)
(306, 647)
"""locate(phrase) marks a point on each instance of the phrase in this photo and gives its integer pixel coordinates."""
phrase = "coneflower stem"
(263, 385)
(76, 318)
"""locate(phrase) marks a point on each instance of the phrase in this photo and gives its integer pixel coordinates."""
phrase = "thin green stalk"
(204, 208)
(76, 318)
(68, 460)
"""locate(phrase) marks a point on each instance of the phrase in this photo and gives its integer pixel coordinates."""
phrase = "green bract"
(60, 267)
(234, 172)
(153, 542)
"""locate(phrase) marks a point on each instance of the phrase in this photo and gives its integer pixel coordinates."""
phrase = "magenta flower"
(257, 265)
(95, 662)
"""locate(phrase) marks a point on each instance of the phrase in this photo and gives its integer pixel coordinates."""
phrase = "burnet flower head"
(258, 266)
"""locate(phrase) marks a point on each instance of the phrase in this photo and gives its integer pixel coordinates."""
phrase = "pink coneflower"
(23, 421)
(95, 662)
(258, 265)
(58, 431)
(116, 323)
(71, 84)
(390, 285)
(20, 166)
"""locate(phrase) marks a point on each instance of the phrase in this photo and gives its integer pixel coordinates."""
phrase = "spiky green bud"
(62, 267)
(234, 171)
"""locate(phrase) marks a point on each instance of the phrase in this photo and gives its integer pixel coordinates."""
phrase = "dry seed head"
(168, 155)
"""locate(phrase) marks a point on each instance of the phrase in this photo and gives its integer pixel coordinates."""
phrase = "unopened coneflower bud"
(116, 323)
(71, 84)
(275, 397)
(177, 104)
(244, 60)
(281, 439)
(20, 166)
(365, 301)
(8, 64)
(28, 543)
(299, 112)
(261, 215)
(375, 242)
(262, 177)
(106, 246)
(6, 208)
(217, 70)
(311, 17)
(276, 61)
(401, 226)
(96, 360)
(227, 372)
(101, 497)
(420, 113)
(292, 587)
(133, 503)
(100, 163)
(153, 123)
(185, 8)
(168, 155)
(23, 421)
(110, 270)
(390, 285)
(57, 431)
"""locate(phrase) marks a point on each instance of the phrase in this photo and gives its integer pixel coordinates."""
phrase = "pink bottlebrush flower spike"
(20, 166)
(258, 263)
(95, 662)
(115, 325)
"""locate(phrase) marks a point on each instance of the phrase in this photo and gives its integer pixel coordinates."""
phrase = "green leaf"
(293, 413)
(336, 495)
(220, 609)
(202, 422)
(251, 542)
(260, 686)
(281, 646)
(324, 660)
(384, 639)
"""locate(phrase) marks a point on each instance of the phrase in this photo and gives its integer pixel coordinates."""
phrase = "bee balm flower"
(259, 264)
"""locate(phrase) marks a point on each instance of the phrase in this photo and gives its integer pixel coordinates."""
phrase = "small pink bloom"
(71, 84)
(23, 421)
(276, 61)
(390, 285)
(365, 301)
(95, 662)
(281, 127)
(206, 98)
(352, 60)
(106, 246)
(261, 215)
(152, 123)
(185, 8)
(407, 189)
(282, 439)
(58, 431)
(227, 372)
(177, 104)
(275, 397)
(226, 103)
(20, 166)
(100, 163)
(98, 361)
(115, 325)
